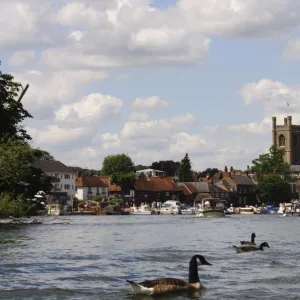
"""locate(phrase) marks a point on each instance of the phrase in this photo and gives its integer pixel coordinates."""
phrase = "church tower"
(287, 137)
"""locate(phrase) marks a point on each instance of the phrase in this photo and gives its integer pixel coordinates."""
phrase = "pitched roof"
(112, 187)
(186, 192)
(157, 184)
(52, 166)
(90, 181)
(242, 180)
(222, 187)
(191, 187)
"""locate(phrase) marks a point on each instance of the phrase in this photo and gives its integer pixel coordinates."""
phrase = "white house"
(66, 176)
(88, 187)
(150, 173)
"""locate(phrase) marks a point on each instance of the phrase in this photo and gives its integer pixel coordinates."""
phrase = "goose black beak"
(208, 264)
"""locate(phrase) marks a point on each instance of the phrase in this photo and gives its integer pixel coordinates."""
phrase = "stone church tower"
(287, 137)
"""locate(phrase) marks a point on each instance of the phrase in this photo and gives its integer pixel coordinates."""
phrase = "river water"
(91, 257)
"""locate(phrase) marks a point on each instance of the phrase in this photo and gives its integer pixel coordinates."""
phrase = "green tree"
(42, 154)
(17, 175)
(185, 170)
(273, 189)
(209, 172)
(121, 170)
(141, 167)
(170, 167)
(12, 113)
(267, 163)
(15, 158)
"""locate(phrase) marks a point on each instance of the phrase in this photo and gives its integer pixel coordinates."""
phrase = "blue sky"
(214, 101)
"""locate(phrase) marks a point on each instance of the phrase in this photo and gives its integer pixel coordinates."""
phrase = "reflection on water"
(91, 257)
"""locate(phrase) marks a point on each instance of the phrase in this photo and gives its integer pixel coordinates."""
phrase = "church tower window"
(281, 140)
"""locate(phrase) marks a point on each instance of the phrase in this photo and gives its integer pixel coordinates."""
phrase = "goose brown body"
(252, 242)
(251, 248)
(163, 285)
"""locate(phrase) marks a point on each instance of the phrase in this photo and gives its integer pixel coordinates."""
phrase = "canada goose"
(253, 236)
(251, 248)
(163, 285)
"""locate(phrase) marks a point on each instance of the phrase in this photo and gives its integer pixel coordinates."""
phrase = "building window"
(57, 175)
(240, 200)
(89, 189)
(167, 194)
(245, 190)
(281, 140)
(72, 187)
(67, 176)
(67, 186)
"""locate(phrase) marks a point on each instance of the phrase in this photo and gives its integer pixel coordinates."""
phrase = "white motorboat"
(141, 210)
(170, 207)
(189, 210)
(289, 209)
(212, 208)
(58, 210)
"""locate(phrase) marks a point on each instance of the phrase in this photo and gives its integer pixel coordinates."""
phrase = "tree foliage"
(10, 207)
(12, 112)
(170, 167)
(17, 175)
(141, 167)
(121, 170)
(272, 188)
(84, 171)
(185, 170)
(15, 158)
(208, 172)
(269, 162)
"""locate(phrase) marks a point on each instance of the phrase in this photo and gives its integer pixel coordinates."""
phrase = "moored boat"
(141, 210)
(212, 208)
(247, 210)
(170, 207)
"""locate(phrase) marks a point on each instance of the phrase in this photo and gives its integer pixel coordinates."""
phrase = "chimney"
(289, 121)
(285, 121)
(231, 170)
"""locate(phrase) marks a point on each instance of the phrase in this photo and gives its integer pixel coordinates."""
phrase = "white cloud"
(155, 128)
(53, 135)
(92, 108)
(151, 102)
(139, 116)
(292, 50)
(80, 15)
(276, 98)
(20, 58)
(69, 44)
(48, 89)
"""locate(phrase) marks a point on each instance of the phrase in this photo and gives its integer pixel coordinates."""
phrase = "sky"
(154, 79)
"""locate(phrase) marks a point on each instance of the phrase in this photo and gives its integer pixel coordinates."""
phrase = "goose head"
(201, 261)
(253, 235)
(264, 244)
